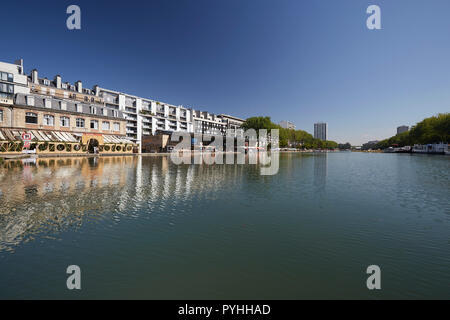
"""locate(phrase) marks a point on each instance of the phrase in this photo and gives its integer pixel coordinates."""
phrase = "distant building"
(287, 125)
(321, 130)
(402, 129)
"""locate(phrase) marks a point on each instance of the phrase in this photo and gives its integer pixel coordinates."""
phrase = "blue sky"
(303, 61)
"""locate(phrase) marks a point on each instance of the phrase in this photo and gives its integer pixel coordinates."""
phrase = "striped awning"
(55, 136)
(115, 139)
(37, 135)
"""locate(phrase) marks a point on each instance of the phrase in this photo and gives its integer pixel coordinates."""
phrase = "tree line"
(430, 130)
(299, 139)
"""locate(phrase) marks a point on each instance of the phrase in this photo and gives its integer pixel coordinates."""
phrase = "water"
(142, 227)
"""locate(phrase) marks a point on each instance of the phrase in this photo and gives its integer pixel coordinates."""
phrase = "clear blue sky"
(303, 61)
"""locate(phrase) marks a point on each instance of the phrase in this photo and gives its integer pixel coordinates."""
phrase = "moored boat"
(432, 148)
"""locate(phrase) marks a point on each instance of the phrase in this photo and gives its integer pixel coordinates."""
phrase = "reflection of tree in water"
(57, 194)
(320, 170)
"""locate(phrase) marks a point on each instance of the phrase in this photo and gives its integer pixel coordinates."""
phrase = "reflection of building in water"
(320, 169)
(55, 193)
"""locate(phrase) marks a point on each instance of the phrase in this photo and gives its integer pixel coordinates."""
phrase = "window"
(92, 110)
(6, 76)
(30, 100)
(80, 123)
(46, 82)
(31, 117)
(105, 125)
(48, 103)
(64, 121)
(6, 88)
(94, 124)
(116, 126)
(52, 92)
(105, 112)
(79, 107)
(1, 115)
(63, 105)
(115, 113)
(49, 120)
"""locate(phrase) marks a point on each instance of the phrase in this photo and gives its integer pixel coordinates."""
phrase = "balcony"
(131, 110)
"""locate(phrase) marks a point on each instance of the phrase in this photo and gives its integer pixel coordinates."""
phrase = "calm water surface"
(142, 227)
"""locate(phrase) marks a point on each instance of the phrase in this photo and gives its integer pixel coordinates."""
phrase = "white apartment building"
(321, 130)
(148, 117)
(145, 116)
(12, 81)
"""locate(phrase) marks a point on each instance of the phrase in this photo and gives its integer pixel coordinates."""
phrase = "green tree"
(430, 130)
(297, 138)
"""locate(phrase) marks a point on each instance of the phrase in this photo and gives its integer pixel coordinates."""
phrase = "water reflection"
(320, 170)
(182, 227)
(54, 193)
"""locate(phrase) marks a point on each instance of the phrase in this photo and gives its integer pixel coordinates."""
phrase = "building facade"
(287, 125)
(402, 129)
(57, 117)
(145, 116)
(31, 102)
(149, 117)
(321, 130)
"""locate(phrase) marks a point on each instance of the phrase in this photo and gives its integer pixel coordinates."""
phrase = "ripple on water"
(314, 226)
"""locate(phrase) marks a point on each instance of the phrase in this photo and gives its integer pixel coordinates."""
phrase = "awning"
(37, 135)
(115, 139)
(55, 136)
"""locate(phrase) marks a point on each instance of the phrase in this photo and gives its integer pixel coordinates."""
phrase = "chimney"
(79, 86)
(96, 90)
(57, 81)
(34, 76)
